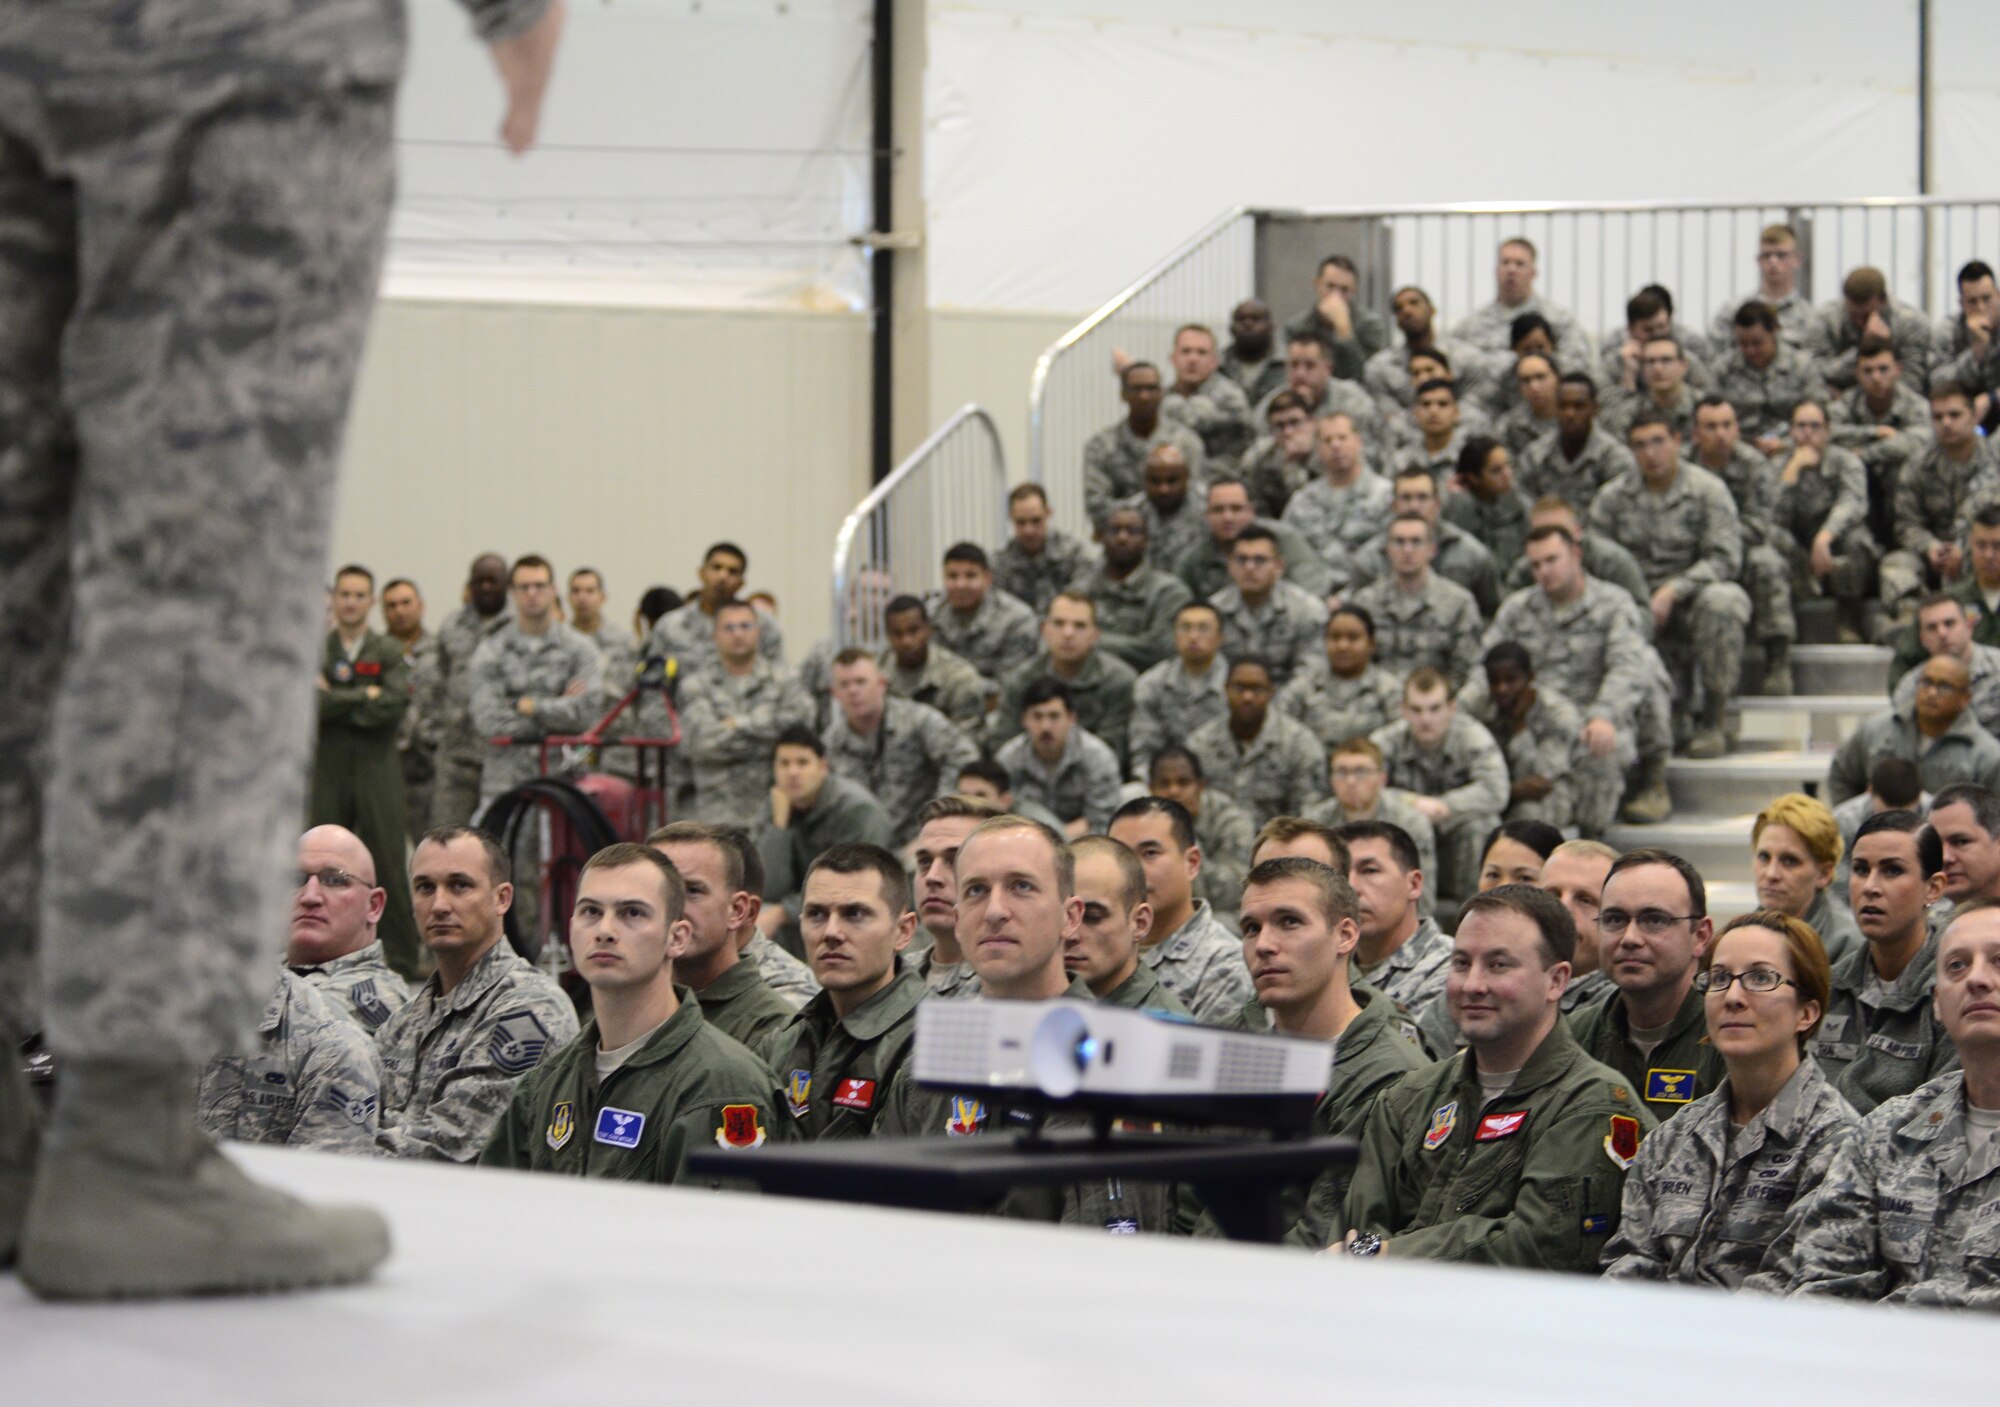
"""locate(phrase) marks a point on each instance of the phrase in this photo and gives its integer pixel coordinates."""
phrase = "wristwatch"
(1365, 1244)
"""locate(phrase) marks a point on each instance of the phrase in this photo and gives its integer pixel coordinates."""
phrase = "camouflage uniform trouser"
(1906, 576)
(1767, 580)
(1702, 644)
(455, 788)
(1853, 567)
(190, 235)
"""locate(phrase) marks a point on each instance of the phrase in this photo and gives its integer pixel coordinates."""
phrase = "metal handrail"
(850, 527)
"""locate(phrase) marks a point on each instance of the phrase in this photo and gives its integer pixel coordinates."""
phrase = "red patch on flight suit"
(855, 1094)
(367, 667)
(1494, 1126)
(740, 1128)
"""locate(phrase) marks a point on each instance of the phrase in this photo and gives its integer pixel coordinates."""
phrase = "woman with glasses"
(1707, 1192)
(1515, 853)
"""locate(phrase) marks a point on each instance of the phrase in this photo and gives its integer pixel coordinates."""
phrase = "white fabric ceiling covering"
(705, 152)
(1068, 150)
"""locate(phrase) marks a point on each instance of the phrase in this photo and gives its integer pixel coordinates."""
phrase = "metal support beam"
(882, 248)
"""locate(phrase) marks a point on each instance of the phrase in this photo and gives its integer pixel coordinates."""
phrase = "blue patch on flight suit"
(619, 1127)
(1670, 1086)
(518, 1042)
(369, 1004)
(1596, 1225)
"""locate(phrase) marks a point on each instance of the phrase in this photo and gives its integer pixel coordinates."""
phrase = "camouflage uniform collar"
(879, 1013)
(1181, 942)
(1090, 676)
(368, 955)
(1586, 990)
(663, 1045)
(1415, 949)
(1553, 1059)
(1853, 973)
(485, 625)
(494, 966)
(1937, 1111)
(274, 1010)
(1785, 1119)
(1134, 990)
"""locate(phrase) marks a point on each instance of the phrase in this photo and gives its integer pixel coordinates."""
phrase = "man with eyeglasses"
(1653, 928)
(336, 909)
(1936, 730)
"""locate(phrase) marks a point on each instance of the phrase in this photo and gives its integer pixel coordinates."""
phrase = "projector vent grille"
(1249, 1067)
(954, 1044)
(1184, 1061)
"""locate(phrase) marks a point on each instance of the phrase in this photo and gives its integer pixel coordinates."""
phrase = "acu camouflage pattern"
(1084, 782)
(360, 986)
(1549, 744)
(1501, 524)
(444, 701)
(1271, 476)
(1168, 704)
(1225, 835)
(1201, 962)
(1543, 470)
(687, 633)
(678, 1084)
(1135, 617)
(1853, 425)
(1000, 634)
(450, 1062)
(914, 755)
(511, 665)
(1438, 626)
(1102, 690)
(1876, 1041)
(170, 417)
(729, 724)
(783, 973)
(1218, 412)
(311, 1081)
(946, 683)
(1334, 709)
(1935, 500)
(1114, 461)
(822, 1055)
(1832, 341)
(1964, 752)
(1280, 772)
(1143, 991)
(1984, 666)
(1607, 562)
(1468, 773)
(1205, 567)
(1545, 1195)
(1338, 522)
(1752, 481)
(1461, 558)
(1588, 650)
(1170, 537)
(1415, 972)
(1909, 1213)
(1064, 557)
(1393, 806)
(1287, 629)
(1765, 399)
(1704, 1206)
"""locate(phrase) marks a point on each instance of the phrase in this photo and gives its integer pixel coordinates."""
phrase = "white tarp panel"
(710, 153)
(1067, 150)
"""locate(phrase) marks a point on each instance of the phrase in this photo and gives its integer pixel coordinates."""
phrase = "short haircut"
(1257, 532)
(1360, 745)
(1021, 492)
(1947, 387)
(1436, 383)
(395, 581)
(1174, 752)
(1578, 379)
(1359, 613)
(656, 601)
(799, 735)
(1077, 598)
(859, 857)
(991, 771)
(499, 865)
(1425, 679)
(1965, 910)
(726, 547)
(1646, 419)
(1936, 599)
(1058, 847)
(1714, 399)
(1283, 830)
(1973, 271)
(1874, 346)
(1596, 849)
(1545, 531)
(1521, 327)
(1430, 533)
(1510, 652)
(1338, 261)
(1804, 949)
(1472, 456)
(1806, 817)
(1864, 285)
(1249, 659)
(1983, 804)
(1413, 474)
(1433, 353)
(1126, 375)
(1131, 874)
(728, 607)
(1401, 848)
(591, 572)
(1551, 919)
(1554, 503)
(1538, 836)
(356, 569)
(1643, 305)
(970, 552)
(1176, 814)
(1756, 314)
(900, 605)
(1202, 328)
(1988, 516)
(1205, 606)
(742, 867)
(1896, 783)
(1287, 399)
(1310, 339)
(1336, 895)
(954, 806)
(529, 560)
(1048, 689)
(1654, 855)
(1777, 234)
(626, 852)
(853, 655)
(1521, 242)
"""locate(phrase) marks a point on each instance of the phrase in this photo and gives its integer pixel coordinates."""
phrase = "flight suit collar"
(740, 978)
(874, 1017)
(663, 1045)
(1689, 1016)
(1550, 1062)
(1374, 1023)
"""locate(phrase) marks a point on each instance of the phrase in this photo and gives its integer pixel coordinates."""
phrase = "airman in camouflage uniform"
(1833, 336)
(1215, 408)
(1964, 752)
(910, 754)
(1686, 537)
(1392, 805)
(1982, 663)
(1461, 558)
(1823, 490)
(1764, 397)
(1114, 456)
(1285, 628)
(1172, 505)
(1205, 569)
(1545, 470)
(995, 636)
(1223, 831)
(558, 673)
(944, 682)
(1547, 744)
(1135, 600)
(1339, 520)
(1279, 772)
(1201, 962)
(1705, 1203)
(1335, 707)
(1465, 771)
(1936, 495)
(1083, 782)
(782, 973)
(444, 700)
(729, 722)
(1753, 483)
(1057, 559)
(1906, 1213)
(1178, 695)
(416, 736)
(1436, 625)
(360, 986)
(1414, 973)
(1879, 1040)
(687, 633)
(1102, 688)
(450, 1061)
(1250, 359)
(1604, 560)
(312, 1081)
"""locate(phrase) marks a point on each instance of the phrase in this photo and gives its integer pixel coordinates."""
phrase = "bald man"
(336, 907)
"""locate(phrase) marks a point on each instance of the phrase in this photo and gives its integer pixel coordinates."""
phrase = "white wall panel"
(628, 439)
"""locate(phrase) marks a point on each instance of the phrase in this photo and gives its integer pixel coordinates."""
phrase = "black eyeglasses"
(1756, 979)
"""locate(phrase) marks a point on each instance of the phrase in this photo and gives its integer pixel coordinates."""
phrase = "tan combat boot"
(133, 1200)
(1651, 803)
(1711, 736)
(1778, 668)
